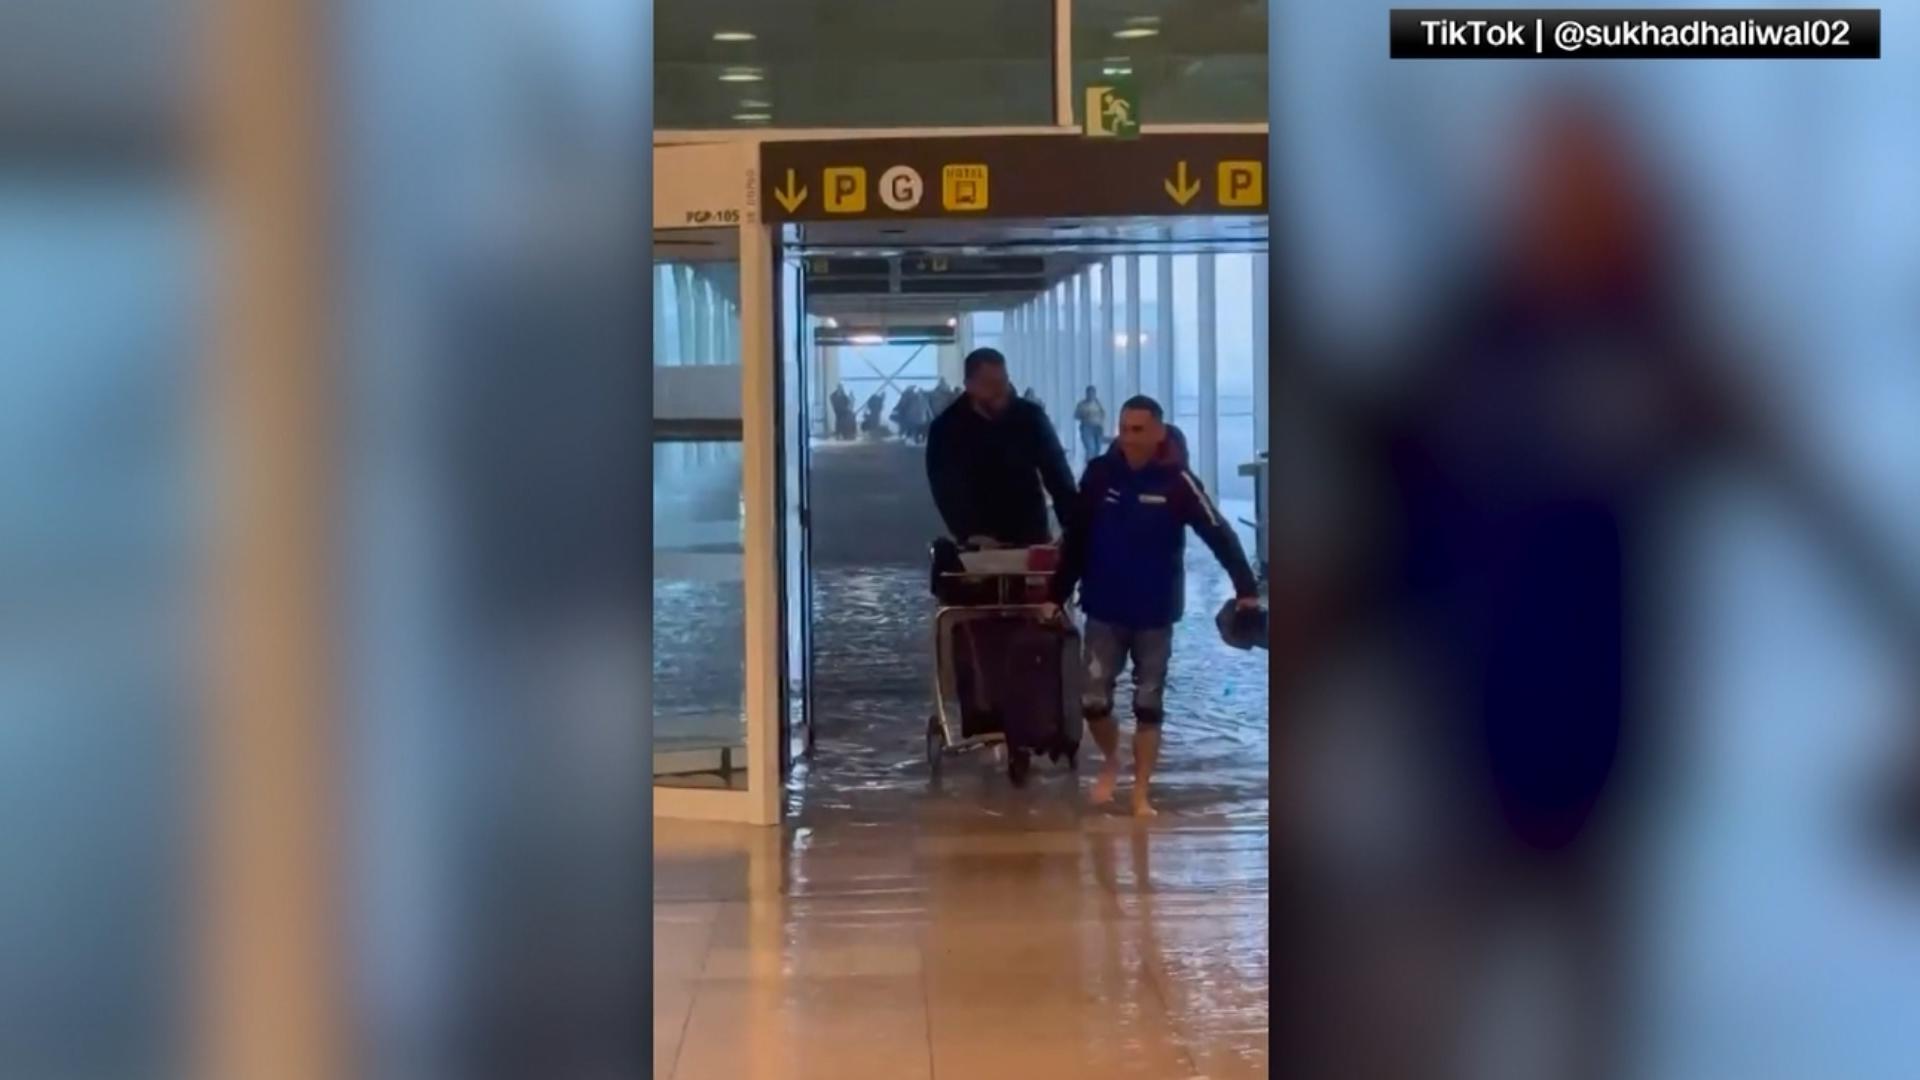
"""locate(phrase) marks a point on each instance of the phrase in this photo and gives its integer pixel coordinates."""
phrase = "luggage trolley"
(988, 587)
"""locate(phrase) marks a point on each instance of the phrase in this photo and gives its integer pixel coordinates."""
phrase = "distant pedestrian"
(1091, 416)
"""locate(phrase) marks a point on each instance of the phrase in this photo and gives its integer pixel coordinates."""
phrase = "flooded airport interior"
(894, 878)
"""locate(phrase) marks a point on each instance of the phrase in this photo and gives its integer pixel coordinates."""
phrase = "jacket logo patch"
(1153, 500)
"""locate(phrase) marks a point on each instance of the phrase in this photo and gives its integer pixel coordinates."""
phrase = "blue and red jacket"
(1126, 540)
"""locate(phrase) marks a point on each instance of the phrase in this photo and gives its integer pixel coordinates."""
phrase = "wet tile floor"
(901, 927)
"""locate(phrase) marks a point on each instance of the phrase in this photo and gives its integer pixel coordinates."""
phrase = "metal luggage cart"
(994, 593)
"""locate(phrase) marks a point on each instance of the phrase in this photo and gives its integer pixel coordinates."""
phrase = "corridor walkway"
(902, 928)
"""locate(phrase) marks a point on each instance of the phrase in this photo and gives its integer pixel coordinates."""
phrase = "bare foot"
(1103, 786)
(1142, 808)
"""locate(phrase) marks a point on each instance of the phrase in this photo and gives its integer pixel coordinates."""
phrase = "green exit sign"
(1112, 112)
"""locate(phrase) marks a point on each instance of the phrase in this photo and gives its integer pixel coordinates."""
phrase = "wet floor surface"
(901, 926)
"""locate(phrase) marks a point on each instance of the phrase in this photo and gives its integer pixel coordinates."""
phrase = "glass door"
(700, 640)
(797, 411)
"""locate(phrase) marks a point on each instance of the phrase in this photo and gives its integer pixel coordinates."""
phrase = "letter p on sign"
(1240, 184)
(846, 190)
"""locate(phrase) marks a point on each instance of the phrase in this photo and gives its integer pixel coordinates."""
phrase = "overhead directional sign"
(1014, 176)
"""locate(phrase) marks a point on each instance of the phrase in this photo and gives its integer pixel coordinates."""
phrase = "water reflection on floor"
(903, 927)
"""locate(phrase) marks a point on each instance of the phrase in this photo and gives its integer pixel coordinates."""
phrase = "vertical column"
(760, 480)
(1262, 358)
(1112, 327)
(1162, 336)
(272, 997)
(1134, 267)
(1082, 342)
(1056, 338)
(1207, 458)
(1063, 63)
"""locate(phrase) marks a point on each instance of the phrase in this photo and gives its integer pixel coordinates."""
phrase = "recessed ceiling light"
(756, 104)
(1133, 33)
(1116, 71)
(733, 35)
(741, 75)
(953, 322)
(752, 117)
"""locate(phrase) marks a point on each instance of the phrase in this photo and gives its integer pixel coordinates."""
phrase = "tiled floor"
(902, 928)
(1099, 949)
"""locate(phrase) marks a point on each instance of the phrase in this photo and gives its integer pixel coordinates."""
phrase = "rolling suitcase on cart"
(1039, 698)
(1014, 679)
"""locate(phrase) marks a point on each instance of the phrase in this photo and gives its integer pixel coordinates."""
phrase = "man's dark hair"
(1145, 404)
(980, 358)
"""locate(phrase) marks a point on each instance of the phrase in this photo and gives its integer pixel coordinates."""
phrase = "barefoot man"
(1126, 550)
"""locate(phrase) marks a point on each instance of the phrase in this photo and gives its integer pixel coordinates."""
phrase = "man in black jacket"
(993, 460)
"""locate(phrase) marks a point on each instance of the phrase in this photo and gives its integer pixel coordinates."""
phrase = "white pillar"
(1207, 459)
(1162, 337)
(1082, 342)
(1262, 357)
(1135, 265)
(1112, 327)
(1057, 339)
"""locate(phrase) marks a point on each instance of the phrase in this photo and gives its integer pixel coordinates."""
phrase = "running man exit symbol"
(1240, 183)
(846, 190)
(1112, 112)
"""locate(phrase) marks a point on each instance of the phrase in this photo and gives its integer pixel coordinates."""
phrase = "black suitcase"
(1039, 696)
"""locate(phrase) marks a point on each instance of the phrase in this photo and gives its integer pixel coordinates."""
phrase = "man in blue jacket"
(1126, 550)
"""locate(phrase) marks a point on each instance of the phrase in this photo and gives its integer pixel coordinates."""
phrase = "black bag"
(1040, 689)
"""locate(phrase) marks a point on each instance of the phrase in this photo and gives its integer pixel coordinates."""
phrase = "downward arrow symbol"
(1180, 188)
(792, 195)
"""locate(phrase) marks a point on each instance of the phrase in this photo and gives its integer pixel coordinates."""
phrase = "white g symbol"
(901, 188)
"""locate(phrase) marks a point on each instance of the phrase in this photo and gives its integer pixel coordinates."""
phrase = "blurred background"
(323, 588)
(1596, 487)
(1596, 447)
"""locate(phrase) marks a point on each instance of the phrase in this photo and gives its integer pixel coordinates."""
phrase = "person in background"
(1126, 550)
(917, 408)
(844, 426)
(872, 426)
(899, 414)
(993, 460)
(1091, 416)
(943, 397)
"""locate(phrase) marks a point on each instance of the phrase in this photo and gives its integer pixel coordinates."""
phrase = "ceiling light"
(1120, 340)
(741, 75)
(752, 117)
(1116, 71)
(953, 322)
(756, 104)
(732, 35)
(867, 339)
(1134, 33)
(833, 323)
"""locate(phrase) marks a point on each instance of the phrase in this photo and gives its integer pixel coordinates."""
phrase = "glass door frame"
(709, 181)
(794, 375)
